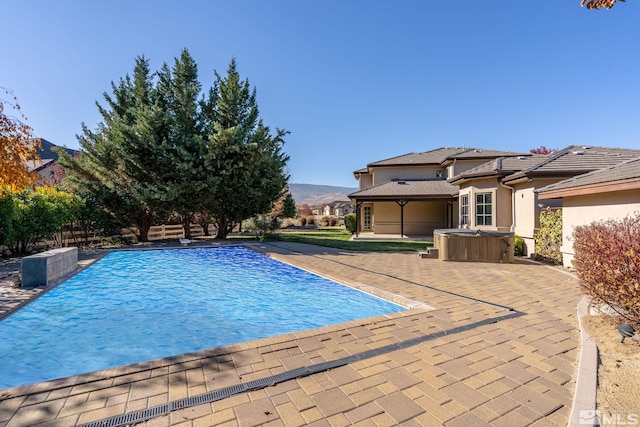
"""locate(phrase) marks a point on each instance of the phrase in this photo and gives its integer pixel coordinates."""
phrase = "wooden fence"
(156, 232)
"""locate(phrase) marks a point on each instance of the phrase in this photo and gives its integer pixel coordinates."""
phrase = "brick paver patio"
(499, 348)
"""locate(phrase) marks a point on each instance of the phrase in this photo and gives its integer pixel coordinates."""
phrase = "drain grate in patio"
(213, 396)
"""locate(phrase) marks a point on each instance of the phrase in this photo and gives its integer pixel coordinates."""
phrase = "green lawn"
(339, 238)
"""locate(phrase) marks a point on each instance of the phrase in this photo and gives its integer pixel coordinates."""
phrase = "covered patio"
(410, 209)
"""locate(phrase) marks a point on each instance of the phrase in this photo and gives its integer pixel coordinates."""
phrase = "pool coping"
(224, 350)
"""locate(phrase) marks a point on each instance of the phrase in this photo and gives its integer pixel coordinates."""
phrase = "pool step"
(429, 253)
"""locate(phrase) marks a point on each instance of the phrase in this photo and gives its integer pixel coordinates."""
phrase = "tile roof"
(437, 156)
(480, 153)
(411, 189)
(627, 170)
(502, 166)
(575, 160)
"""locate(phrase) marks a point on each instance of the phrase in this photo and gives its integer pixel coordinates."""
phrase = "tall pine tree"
(246, 162)
(159, 150)
(184, 177)
(122, 159)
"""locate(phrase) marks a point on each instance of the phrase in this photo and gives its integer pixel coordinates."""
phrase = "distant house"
(410, 195)
(502, 194)
(337, 208)
(48, 158)
(611, 192)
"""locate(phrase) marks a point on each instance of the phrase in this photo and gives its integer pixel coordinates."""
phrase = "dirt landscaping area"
(619, 367)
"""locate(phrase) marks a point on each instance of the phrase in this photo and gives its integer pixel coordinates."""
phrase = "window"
(440, 173)
(484, 211)
(367, 218)
(464, 210)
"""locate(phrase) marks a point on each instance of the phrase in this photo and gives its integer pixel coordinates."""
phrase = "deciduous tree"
(599, 4)
(542, 150)
(17, 145)
(305, 210)
(40, 213)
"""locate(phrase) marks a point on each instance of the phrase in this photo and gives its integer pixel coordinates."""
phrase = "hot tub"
(459, 244)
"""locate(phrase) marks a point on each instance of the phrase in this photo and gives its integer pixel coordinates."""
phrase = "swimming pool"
(134, 306)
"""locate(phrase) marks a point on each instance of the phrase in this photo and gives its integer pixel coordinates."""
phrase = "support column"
(402, 204)
(358, 206)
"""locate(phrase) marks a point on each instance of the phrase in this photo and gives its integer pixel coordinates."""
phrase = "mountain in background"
(314, 195)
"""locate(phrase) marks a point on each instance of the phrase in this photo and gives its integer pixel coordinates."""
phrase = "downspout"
(513, 205)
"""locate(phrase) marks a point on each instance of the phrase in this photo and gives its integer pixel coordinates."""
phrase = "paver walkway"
(499, 349)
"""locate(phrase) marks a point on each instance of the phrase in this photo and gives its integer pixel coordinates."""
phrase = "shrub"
(303, 221)
(548, 238)
(39, 214)
(262, 225)
(607, 262)
(350, 222)
(325, 221)
(7, 210)
(518, 245)
(332, 222)
(310, 221)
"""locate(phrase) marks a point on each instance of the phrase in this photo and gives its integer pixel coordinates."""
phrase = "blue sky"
(353, 81)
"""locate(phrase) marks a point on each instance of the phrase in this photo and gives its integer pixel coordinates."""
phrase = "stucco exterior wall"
(528, 208)
(365, 181)
(420, 218)
(382, 175)
(582, 210)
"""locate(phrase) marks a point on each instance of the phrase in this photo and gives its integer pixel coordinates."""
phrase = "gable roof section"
(46, 150)
(500, 167)
(438, 157)
(337, 203)
(432, 157)
(576, 160)
(479, 153)
(407, 189)
(623, 176)
(38, 165)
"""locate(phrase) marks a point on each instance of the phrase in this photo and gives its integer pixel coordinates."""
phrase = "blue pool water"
(135, 306)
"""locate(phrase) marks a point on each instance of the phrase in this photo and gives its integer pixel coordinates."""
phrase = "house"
(501, 195)
(337, 208)
(45, 167)
(612, 192)
(410, 195)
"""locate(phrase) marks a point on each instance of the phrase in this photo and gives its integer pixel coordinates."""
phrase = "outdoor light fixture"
(625, 331)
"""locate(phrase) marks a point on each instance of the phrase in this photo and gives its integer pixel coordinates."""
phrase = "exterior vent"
(579, 153)
(521, 157)
(402, 182)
